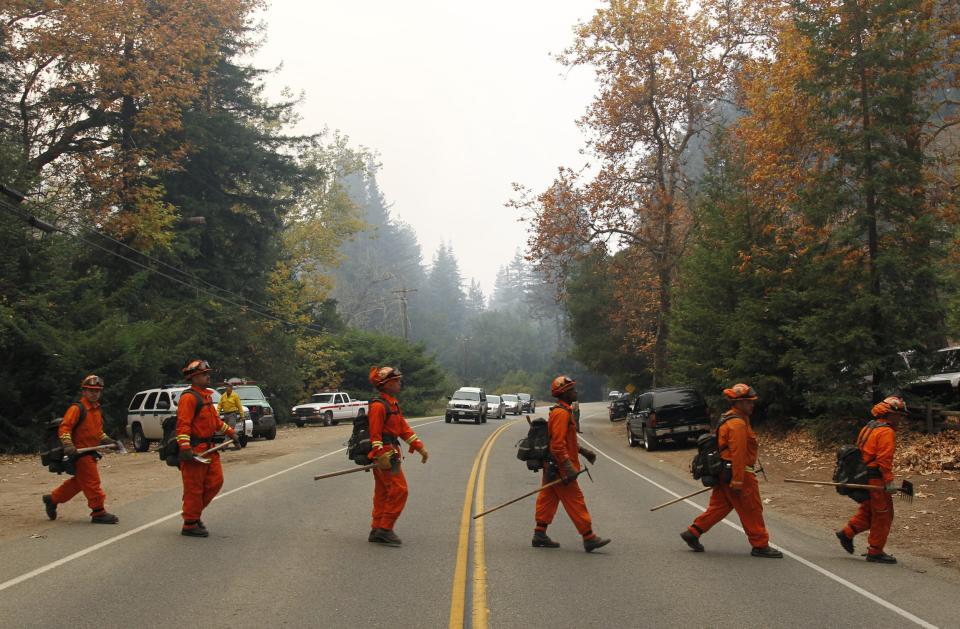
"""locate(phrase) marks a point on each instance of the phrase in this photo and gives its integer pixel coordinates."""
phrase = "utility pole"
(403, 309)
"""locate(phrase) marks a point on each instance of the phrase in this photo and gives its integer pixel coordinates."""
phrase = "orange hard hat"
(740, 391)
(195, 367)
(561, 384)
(381, 375)
(892, 404)
(92, 382)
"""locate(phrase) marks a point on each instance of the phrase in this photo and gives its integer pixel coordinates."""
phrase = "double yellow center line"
(473, 496)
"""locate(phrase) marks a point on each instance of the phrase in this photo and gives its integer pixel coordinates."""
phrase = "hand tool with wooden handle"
(365, 468)
(681, 498)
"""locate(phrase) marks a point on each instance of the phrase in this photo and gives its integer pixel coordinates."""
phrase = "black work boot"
(692, 541)
(845, 541)
(102, 517)
(50, 506)
(594, 543)
(193, 529)
(881, 557)
(541, 540)
(373, 535)
(385, 536)
(767, 552)
(201, 526)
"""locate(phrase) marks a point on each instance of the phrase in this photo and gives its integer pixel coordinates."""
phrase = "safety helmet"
(740, 391)
(195, 367)
(379, 376)
(92, 382)
(892, 404)
(561, 384)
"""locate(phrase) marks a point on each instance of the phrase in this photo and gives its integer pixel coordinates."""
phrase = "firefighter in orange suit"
(877, 441)
(738, 488)
(76, 433)
(564, 452)
(387, 427)
(197, 422)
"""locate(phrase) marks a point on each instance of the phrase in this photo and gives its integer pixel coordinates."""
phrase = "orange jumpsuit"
(390, 486)
(88, 434)
(738, 445)
(876, 514)
(201, 482)
(563, 447)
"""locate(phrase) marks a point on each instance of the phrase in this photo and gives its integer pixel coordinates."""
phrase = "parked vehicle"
(261, 413)
(495, 407)
(328, 408)
(467, 403)
(148, 409)
(528, 404)
(614, 395)
(511, 403)
(940, 385)
(619, 408)
(676, 413)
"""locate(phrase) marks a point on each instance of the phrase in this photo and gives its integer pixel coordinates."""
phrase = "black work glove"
(69, 449)
(568, 472)
(185, 454)
(235, 438)
(588, 454)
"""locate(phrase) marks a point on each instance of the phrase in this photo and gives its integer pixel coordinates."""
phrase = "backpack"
(169, 447)
(51, 456)
(850, 467)
(708, 466)
(359, 446)
(534, 449)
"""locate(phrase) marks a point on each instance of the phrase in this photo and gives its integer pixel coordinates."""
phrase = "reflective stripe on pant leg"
(396, 485)
(576, 506)
(750, 509)
(193, 474)
(89, 478)
(717, 509)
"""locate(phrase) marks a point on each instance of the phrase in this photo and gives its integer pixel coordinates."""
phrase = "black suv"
(676, 413)
(620, 407)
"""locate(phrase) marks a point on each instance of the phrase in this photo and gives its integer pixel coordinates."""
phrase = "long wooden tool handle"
(832, 484)
(95, 448)
(510, 502)
(200, 457)
(350, 471)
(681, 498)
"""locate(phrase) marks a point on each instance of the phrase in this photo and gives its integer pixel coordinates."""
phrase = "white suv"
(149, 408)
(467, 403)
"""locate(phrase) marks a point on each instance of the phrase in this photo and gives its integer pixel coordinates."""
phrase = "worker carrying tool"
(387, 427)
(565, 464)
(81, 428)
(737, 487)
(197, 423)
(877, 442)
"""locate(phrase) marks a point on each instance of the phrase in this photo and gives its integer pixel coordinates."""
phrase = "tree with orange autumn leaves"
(101, 86)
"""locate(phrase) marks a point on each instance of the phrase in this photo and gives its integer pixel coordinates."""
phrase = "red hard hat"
(740, 392)
(195, 367)
(381, 375)
(892, 404)
(561, 384)
(92, 382)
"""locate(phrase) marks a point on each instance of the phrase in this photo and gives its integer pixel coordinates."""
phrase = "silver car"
(495, 407)
(511, 403)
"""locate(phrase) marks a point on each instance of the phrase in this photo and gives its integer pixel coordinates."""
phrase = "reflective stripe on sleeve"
(413, 438)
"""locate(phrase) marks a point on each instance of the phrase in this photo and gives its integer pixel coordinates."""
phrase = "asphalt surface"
(288, 551)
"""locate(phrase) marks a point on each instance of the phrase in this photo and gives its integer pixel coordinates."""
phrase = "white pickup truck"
(328, 409)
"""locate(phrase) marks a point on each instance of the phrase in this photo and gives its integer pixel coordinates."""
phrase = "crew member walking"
(387, 427)
(230, 407)
(877, 442)
(565, 461)
(738, 488)
(197, 423)
(82, 427)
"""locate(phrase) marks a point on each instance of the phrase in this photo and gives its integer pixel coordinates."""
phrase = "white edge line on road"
(852, 586)
(86, 551)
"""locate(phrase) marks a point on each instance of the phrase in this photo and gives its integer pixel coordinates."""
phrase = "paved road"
(286, 551)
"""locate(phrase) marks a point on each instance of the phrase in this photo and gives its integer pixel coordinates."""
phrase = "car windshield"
(493, 399)
(680, 397)
(321, 398)
(466, 395)
(250, 393)
(510, 398)
(947, 361)
(525, 397)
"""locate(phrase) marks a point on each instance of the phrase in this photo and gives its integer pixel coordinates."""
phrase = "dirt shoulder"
(928, 527)
(129, 477)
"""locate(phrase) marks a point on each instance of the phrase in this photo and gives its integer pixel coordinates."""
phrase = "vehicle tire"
(140, 442)
(328, 419)
(271, 434)
(299, 424)
(631, 440)
(477, 420)
(650, 442)
(447, 419)
(243, 440)
(336, 422)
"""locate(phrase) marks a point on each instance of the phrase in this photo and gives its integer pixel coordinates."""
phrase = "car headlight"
(268, 411)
